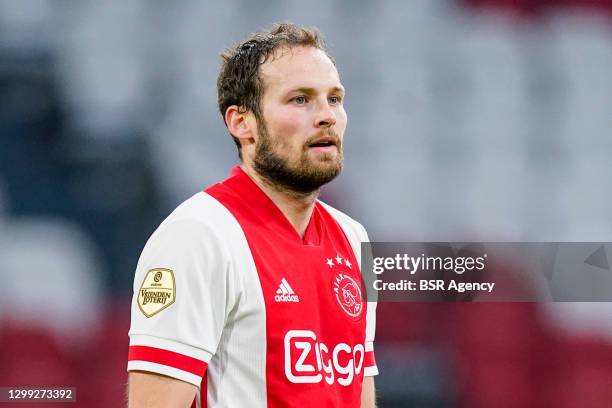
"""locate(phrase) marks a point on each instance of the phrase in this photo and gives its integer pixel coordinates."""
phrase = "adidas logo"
(284, 293)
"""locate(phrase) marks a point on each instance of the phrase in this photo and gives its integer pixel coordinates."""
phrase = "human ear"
(238, 123)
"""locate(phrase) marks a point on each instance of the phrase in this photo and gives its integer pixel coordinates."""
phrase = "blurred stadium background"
(475, 119)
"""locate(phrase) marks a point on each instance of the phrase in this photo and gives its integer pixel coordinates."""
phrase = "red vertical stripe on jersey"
(167, 358)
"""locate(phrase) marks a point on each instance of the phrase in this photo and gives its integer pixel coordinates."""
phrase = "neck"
(295, 206)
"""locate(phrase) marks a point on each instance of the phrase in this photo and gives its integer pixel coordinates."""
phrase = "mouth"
(325, 143)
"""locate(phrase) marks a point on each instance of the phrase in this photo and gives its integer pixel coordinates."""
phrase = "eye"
(300, 100)
(334, 100)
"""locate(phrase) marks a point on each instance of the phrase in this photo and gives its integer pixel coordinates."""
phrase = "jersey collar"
(269, 212)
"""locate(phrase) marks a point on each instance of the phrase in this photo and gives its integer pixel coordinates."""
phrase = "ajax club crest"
(345, 288)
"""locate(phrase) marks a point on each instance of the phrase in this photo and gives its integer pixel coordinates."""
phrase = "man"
(249, 294)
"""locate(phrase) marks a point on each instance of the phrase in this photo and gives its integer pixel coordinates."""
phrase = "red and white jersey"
(229, 297)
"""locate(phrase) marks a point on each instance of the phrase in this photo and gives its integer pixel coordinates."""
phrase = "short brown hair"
(239, 82)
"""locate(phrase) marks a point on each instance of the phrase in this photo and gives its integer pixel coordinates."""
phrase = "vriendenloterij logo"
(285, 293)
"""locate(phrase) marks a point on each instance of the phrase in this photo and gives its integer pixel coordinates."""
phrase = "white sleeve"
(370, 367)
(183, 292)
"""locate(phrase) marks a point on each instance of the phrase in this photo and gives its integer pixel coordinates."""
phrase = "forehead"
(299, 67)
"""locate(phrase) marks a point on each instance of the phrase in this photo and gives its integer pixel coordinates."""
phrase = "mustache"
(329, 133)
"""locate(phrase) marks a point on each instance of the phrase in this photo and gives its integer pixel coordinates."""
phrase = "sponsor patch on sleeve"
(157, 292)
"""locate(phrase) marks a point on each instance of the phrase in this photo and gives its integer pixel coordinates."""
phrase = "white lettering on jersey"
(300, 366)
(305, 341)
(299, 379)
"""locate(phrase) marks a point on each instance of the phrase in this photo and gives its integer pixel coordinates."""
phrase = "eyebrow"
(312, 91)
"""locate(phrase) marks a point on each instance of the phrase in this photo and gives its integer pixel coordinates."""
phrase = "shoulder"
(197, 223)
(352, 228)
(202, 214)
(200, 241)
(201, 208)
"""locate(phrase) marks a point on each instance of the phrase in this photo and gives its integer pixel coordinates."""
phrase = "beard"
(303, 177)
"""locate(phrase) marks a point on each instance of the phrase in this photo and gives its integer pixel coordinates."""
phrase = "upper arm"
(146, 390)
(368, 393)
(176, 337)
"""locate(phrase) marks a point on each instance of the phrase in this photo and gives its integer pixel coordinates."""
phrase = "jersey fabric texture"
(258, 316)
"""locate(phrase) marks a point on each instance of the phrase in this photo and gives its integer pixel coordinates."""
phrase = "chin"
(325, 164)
(332, 158)
(326, 172)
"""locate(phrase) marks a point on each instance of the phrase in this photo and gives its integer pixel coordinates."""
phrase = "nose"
(326, 117)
